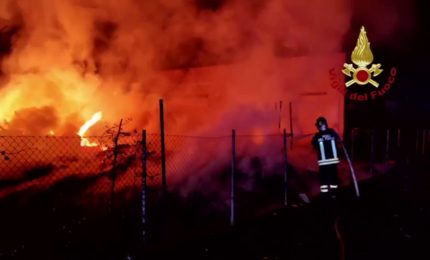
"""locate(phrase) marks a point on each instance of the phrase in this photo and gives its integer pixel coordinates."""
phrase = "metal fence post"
(372, 150)
(291, 125)
(144, 186)
(286, 169)
(233, 179)
(163, 150)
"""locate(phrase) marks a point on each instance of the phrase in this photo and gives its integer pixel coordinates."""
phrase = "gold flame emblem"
(362, 57)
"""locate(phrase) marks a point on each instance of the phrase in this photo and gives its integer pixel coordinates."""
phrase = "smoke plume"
(79, 57)
(218, 64)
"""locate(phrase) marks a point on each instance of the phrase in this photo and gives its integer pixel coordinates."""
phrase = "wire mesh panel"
(55, 193)
(154, 159)
(78, 193)
(39, 162)
(260, 156)
(197, 162)
(260, 173)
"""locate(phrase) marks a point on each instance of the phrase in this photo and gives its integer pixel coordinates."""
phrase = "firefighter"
(325, 143)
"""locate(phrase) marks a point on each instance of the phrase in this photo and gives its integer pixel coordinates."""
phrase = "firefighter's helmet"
(321, 123)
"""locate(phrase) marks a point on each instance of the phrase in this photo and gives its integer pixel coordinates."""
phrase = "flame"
(114, 54)
(362, 55)
(51, 132)
(84, 128)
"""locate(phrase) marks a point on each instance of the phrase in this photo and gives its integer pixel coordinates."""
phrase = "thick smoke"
(217, 64)
(80, 57)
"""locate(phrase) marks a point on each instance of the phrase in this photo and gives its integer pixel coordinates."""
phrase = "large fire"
(84, 128)
(62, 60)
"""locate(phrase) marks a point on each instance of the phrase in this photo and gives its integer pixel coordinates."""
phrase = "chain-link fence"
(39, 162)
(68, 188)
(58, 198)
(83, 198)
(389, 144)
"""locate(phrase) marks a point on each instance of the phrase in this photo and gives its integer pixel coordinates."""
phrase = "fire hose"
(339, 237)
(351, 168)
(357, 193)
(354, 178)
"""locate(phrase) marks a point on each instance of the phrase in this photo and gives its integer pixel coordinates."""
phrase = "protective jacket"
(325, 143)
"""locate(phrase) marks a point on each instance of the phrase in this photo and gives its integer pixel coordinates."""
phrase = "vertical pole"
(372, 150)
(233, 179)
(291, 124)
(408, 144)
(387, 148)
(163, 151)
(398, 150)
(285, 170)
(280, 115)
(387, 145)
(144, 185)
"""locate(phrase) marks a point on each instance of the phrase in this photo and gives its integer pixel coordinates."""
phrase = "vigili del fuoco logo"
(362, 83)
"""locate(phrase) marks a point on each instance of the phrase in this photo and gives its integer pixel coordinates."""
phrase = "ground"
(389, 221)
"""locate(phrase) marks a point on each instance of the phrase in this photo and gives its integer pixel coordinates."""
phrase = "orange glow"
(258, 136)
(87, 125)
(115, 54)
(70, 58)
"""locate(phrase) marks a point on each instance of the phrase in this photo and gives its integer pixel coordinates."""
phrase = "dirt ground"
(389, 221)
